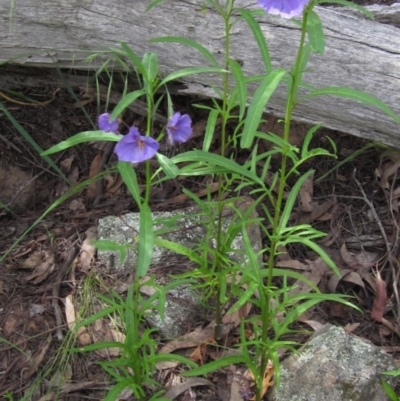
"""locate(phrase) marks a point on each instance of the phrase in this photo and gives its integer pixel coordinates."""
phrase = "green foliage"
(229, 283)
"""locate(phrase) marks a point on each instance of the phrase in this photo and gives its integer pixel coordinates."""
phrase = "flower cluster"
(284, 8)
(135, 148)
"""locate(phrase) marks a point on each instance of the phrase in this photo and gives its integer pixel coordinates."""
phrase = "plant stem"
(275, 237)
(221, 190)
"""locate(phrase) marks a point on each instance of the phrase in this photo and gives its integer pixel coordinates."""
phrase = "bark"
(360, 53)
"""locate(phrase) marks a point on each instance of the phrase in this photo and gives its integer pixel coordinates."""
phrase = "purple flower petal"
(106, 125)
(179, 128)
(284, 8)
(134, 148)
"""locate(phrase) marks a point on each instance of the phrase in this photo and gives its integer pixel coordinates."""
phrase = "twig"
(56, 289)
(387, 243)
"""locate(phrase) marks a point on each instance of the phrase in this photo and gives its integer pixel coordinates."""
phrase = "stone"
(334, 366)
(186, 227)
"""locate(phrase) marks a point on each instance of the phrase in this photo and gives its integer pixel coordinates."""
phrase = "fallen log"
(360, 53)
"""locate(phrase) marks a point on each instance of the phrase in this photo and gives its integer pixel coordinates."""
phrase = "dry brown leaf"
(36, 359)
(43, 270)
(320, 212)
(87, 249)
(313, 324)
(354, 278)
(114, 183)
(317, 269)
(73, 176)
(70, 311)
(34, 260)
(76, 205)
(295, 264)
(66, 164)
(388, 169)
(350, 327)
(235, 318)
(267, 380)
(306, 195)
(378, 307)
(95, 168)
(180, 388)
(199, 353)
(102, 332)
(350, 259)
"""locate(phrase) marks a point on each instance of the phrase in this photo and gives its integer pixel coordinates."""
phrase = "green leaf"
(128, 174)
(184, 72)
(108, 245)
(146, 240)
(218, 160)
(174, 357)
(240, 86)
(389, 391)
(315, 32)
(215, 365)
(291, 199)
(309, 136)
(259, 37)
(153, 4)
(135, 59)
(125, 102)
(349, 4)
(210, 129)
(82, 137)
(171, 170)
(178, 248)
(150, 64)
(258, 104)
(188, 42)
(357, 95)
(98, 346)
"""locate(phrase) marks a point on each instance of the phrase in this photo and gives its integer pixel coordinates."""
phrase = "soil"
(355, 202)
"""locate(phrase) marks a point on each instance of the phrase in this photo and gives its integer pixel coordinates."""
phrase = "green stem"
(221, 188)
(290, 104)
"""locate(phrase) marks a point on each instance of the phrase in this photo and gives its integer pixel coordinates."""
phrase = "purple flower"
(134, 148)
(106, 124)
(284, 8)
(179, 128)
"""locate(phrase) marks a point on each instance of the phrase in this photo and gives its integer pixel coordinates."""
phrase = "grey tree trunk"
(360, 53)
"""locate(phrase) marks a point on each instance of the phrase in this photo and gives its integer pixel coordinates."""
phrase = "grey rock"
(334, 366)
(187, 227)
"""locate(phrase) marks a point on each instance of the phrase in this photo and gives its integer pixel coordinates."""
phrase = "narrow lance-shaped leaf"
(125, 102)
(135, 59)
(315, 33)
(258, 104)
(210, 129)
(350, 5)
(184, 72)
(218, 160)
(150, 64)
(128, 174)
(259, 37)
(357, 95)
(188, 42)
(146, 240)
(240, 86)
(171, 170)
(81, 138)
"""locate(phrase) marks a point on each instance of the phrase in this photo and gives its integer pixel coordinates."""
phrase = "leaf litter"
(334, 205)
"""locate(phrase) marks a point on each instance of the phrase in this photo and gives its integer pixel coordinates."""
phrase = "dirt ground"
(354, 199)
